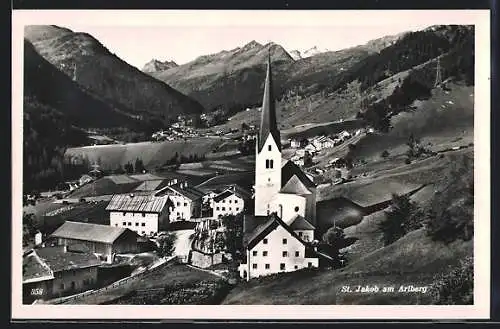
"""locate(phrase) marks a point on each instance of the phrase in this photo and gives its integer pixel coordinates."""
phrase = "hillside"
(90, 64)
(55, 89)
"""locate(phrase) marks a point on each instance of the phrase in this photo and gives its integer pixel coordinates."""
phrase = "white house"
(186, 201)
(144, 214)
(322, 142)
(230, 202)
(311, 148)
(274, 247)
(344, 135)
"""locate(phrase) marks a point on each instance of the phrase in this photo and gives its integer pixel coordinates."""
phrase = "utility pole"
(438, 81)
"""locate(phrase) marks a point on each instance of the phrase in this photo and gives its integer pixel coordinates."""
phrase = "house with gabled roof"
(50, 272)
(231, 201)
(144, 213)
(271, 246)
(186, 201)
(102, 240)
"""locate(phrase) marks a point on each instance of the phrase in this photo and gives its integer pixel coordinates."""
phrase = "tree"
(332, 241)
(139, 166)
(402, 217)
(129, 168)
(234, 234)
(29, 227)
(166, 244)
(308, 159)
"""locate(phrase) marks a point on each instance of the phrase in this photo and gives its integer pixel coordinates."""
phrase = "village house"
(102, 240)
(274, 247)
(186, 201)
(232, 201)
(145, 214)
(298, 142)
(51, 272)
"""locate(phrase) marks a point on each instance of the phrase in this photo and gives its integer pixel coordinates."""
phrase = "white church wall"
(289, 205)
(267, 176)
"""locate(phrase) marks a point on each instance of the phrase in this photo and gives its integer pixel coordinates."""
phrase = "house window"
(254, 266)
(309, 264)
(306, 237)
(300, 234)
(265, 241)
(178, 204)
(254, 253)
(269, 147)
(284, 241)
(267, 164)
(271, 163)
(143, 224)
(136, 224)
(296, 267)
(223, 208)
(124, 223)
(229, 208)
(297, 209)
(151, 233)
(124, 213)
(218, 208)
(297, 254)
(224, 201)
(285, 253)
(229, 201)
(116, 224)
(237, 208)
(264, 253)
(185, 204)
(129, 223)
(282, 266)
(267, 266)
(143, 215)
(235, 201)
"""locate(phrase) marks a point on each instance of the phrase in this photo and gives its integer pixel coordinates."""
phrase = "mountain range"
(93, 67)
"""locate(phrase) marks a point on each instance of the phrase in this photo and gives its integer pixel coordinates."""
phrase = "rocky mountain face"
(88, 63)
(155, 65)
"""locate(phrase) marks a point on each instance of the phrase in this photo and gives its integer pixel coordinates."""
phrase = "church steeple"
(268, 123)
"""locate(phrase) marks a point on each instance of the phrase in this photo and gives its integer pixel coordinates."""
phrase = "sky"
(181, 36)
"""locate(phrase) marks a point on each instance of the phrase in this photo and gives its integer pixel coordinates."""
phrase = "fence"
(118, 283)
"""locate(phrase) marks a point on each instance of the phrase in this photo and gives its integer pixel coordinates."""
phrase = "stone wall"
(203, 260)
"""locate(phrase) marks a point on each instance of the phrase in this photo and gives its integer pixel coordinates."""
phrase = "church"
(277, 238)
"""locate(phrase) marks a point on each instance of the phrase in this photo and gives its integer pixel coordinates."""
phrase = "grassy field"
(152, 154)
(170, 275)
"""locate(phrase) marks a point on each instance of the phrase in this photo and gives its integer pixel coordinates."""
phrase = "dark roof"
(90, 232)
(300, 223)
(235, 189)
(41, 263)
(137, 203)
(289, 170)
(189, 192)
(268, 123)
(59, 260)
(261, 231)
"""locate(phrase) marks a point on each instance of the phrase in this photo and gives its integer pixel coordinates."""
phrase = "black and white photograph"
(300, 160)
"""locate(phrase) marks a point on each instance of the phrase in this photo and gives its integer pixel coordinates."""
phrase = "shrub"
(385, 154)
(407, 161)
(403, 216)
(166, 244)
(455, 287)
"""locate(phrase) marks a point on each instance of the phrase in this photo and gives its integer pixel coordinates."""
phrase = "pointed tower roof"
(268, 123)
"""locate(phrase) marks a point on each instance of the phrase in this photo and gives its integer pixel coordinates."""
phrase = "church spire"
(268, 123)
